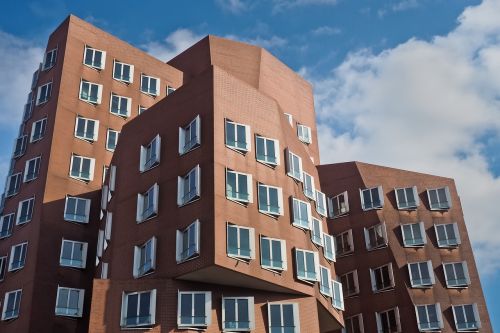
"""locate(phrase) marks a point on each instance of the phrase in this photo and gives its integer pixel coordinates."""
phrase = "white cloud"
(405, 5)
(267, 43)
(175, 43)
(286, 4)
(326, 31)
(233, 6)
(424, 106)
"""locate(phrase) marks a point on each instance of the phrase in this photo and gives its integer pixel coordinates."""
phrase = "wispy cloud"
(400, 6)
(326, 31)
(233, 6)
(279, 5)
(172, 45)
(272, 42)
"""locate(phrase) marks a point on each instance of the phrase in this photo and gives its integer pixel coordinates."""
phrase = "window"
(325, 281)
(77, 209)
(28, 107)
(3, 267)
(372, 198)
(304, 133)
(283, 317)
(142, 109)
(321, 203)
(466, 317)
(147, 204)
(90, 92)
(43, 93)
(13, 184)
(6, 224)
(145, 258)
(69, 302)
(50, 59)
(34, 78)
(112, 139)
(123, 72)
(138, 308)
(150, 154)
(388, 321)
(31, 169)
(240, 242)
(376, 236)
(354, 324)
(447, 235)
(382, 278)
(429, 317)
(294, 165)
(456, 274)
(188, 242)
(270, 200)
(308, 186)
(190, 136)
(104, 270)
(25, 211)
(343, 243)
(17, 257)
(414, 234)
(82, 168)
(239, 186)
(338, 205)
(73, 254)
(307, 265)
(238, 314)
(439, 198)
(170, 90)
(194, 309)
(407, 198)
(20, 146)
(350, 283)
(301, 214)
(237, 136)
(112, 179)
(108, 226)
(150, 85)
(101, 243)
(120, 105)
(11, 304)
(317, 232)
(86, 129)
(329, 247)
(273, 254)
(338, 297)
(94, 58)
(188, 187)
(421, 274)
(38, 130)
(289, 118)
(267, 150)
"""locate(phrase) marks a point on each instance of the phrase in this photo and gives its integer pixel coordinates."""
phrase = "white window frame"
(407, 205)
(296, 316)
(283, 254)
(304, 277)
(89, 98)
(91, 168)
(81, 295)
(337, 295)
(412, 242)
(117, 135)
(71, 262)
(265, 158)
(33, 164)
(152, 308)
(92, 63)
(28, 107)
(180, 257)
(396, 316)
(447, 243)
(23, 140)
(298, 220)
(17, 303)
(345, 283)
(142, 199)
(290, 166)
(141, 109)
(383, 228)
(249, 184)
(317, 231)
(194, 194)
(49, 59)
(289, 118)
(120, 100)
(139, 270)
(42, 125)
(268, 211)
(250, 314)
(147, 90)
(448, 279)
(185, 147)
(338, 205)
(329, 247)
(308, 186)
(85, 136)
(439, 205)
(170, 90)
(7, 224)
(148, 162)
(31, 207)
(350, 242)
(321, 207)
(349, 323)
(372, 205)
(421, 282)
(233, 146)
(251, 242)
(121, 78)
(3, 267)
(426, 326)
(208, 309)
(325, 277)
(304, 133)
(22, 259)
(373, 278)
(471, 327)
(86, 217)
(9, 192)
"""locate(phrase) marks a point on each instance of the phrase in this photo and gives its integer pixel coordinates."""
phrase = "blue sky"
(409, 83)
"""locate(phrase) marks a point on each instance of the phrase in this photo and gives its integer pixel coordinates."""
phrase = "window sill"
(189, 202)
(238, 150)
(196, 146)
(273, 270)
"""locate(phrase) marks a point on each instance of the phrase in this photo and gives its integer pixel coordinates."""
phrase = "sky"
(412, 84)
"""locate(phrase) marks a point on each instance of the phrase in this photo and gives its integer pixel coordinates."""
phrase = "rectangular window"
(239, 186)
(34, 78)
(170, 90)
(120, 105)
(6, 224)
(354, 324)
(329, 247)
(3, 267)
(456, 274)
(90, 92)
(429, 317)
(325, 280)
(94, 58)
(31, 169)
(447, 235)
(20, 146)
(283, 317)
(38, 130)
(307, 265)
(372, 198)
(421, 274)
(267, 150)
(270, 200)
(407, 198)
(344, 244)
(304, 133)
(308, 186)
(382, 278)
(43, 93)
(240, 242)
(25, 211)
(376, 236)
(388, 321)
(73, 254)
(338, 205)
(350, 283)
(321, 204)
(50, 59)
(413, 234)
(108, 226)
(145, 258)
(294, 165)
(273, 254)
(188, 242)
(82, 168)
(77, 209)
(138, 309)
(194, 309)
(150, 154)
(123, 72)
(188, 187)
(338, 296)
(466, 317)
(238, 314)
(17, 257)
(190, 136)
(142, 109)
(11, 304)
(28, 107)
(237, 136)
(301, 214)
(289, 118)
(112, 139)
(147, 204)
(317, 232)
(86, 129)
(13, 184)
(150, 85)
(439, 198)
(69, 302)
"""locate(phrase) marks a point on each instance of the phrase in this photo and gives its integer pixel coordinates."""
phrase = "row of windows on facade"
(429, 319)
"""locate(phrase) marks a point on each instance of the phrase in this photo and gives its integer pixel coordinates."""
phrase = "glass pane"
(132, 302)
(243, 320)
(245, 242)
(232, 240)
(199, 309)
(230, 313)
(401, 197)
(230, 134)
(265, 252)
(275, 316)
(186, 308)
